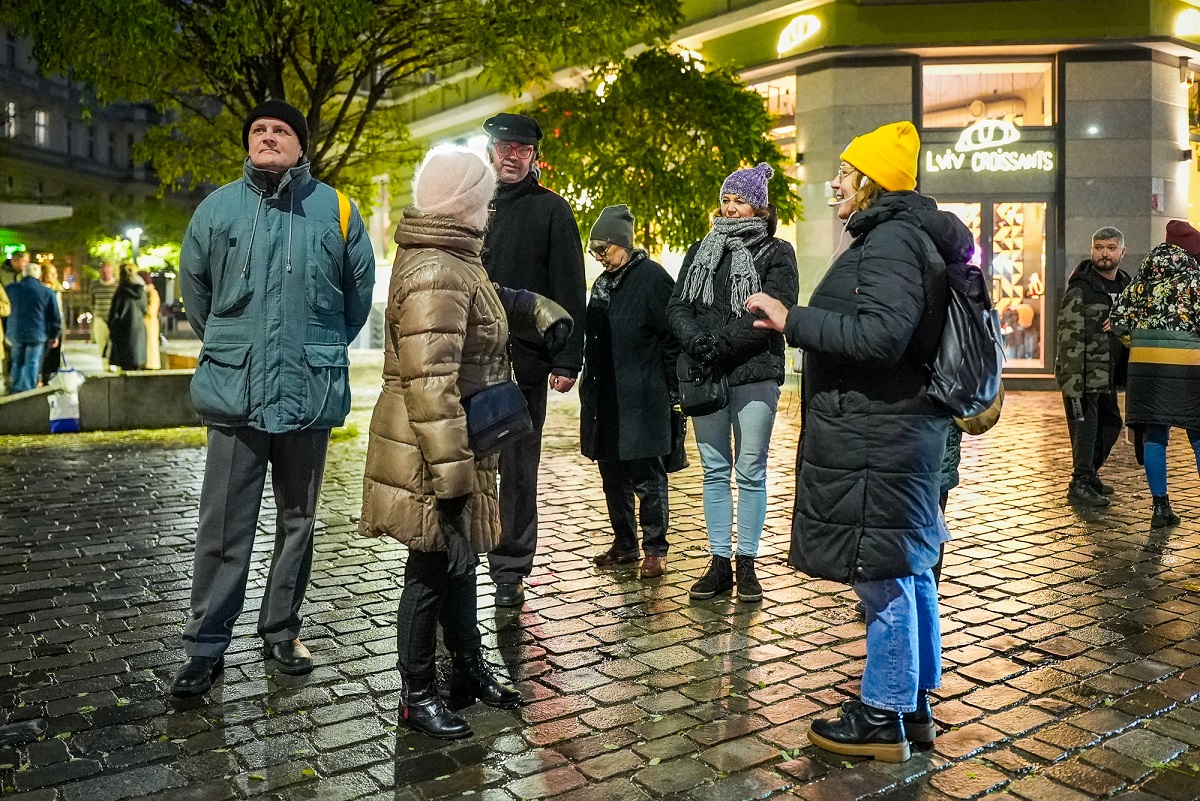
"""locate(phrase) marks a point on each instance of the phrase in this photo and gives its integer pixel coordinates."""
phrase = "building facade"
(1040, 120)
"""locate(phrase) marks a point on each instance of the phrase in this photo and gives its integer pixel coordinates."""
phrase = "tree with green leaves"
(347, 64)
(658, 132)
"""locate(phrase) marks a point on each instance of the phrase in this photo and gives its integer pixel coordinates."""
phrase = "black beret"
(277, 110)
(513, 128)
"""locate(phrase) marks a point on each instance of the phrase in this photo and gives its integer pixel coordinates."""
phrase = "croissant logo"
(985, 134)
(801, 28)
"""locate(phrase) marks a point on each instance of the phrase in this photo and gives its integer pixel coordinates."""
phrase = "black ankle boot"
(423, 709)
(471, 677)
(749, 590)
(717, 581)
(919, 727)
(863, 731)
(1163, 516)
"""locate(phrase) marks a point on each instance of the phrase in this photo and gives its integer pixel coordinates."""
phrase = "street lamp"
(134, 235)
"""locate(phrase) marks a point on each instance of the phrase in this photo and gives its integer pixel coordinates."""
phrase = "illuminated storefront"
(1041, 121)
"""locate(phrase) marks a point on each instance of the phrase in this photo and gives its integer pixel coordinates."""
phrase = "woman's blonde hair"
(867, 192)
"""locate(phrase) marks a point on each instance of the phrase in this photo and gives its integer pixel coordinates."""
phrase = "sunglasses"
(505, 149)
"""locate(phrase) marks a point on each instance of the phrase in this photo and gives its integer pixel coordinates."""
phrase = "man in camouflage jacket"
(1091, 364)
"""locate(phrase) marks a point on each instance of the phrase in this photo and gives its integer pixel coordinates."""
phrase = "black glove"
(454, 518)
(556, 337)
(703, 349)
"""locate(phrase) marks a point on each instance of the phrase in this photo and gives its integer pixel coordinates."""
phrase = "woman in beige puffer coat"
(447, 330)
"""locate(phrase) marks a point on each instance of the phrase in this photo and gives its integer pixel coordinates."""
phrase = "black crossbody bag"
(496, 416)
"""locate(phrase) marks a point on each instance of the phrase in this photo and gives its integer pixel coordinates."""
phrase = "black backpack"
(965, 370)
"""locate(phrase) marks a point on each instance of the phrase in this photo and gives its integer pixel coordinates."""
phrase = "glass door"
(1012, 250)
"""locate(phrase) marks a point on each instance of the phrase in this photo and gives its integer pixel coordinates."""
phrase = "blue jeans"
(742, 428)
(904, 640)
(26, 365)
(1155, 456)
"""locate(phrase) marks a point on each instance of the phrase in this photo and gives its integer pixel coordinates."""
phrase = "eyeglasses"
(599, 250)
(843, 173)
(505, 149)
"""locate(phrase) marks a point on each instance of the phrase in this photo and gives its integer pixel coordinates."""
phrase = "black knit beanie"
(279, 110)
(614, 225)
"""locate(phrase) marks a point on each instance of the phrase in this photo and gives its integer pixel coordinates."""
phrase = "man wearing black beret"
(532, 243)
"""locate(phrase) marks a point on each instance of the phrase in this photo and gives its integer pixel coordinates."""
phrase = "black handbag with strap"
(496, 416)
(677, 459)
(702, 390)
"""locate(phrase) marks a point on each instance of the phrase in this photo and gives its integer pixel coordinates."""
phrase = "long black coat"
(746, 354)
(629, 367)
(533, 243)
(870, 461)
(127, 327)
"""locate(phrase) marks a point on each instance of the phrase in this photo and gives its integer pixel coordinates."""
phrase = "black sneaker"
(1101, 487)
(863, 731)
(718, 580)
(748, 588)
(1086, 495)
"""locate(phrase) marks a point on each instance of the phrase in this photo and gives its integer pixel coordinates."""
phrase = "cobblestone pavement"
(1071, 655)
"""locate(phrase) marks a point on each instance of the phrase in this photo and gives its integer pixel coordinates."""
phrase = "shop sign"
(797, 31)
(984, 147)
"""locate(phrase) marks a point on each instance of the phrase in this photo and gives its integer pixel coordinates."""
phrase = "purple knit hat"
(750, 184)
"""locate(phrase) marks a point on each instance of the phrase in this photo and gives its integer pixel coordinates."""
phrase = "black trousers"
(645, 478)
(512, 560)
(1093, 437)
(230, 497)
(432, 596)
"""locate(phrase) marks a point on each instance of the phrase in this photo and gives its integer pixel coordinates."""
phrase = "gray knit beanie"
(750, 184)
(614, 225)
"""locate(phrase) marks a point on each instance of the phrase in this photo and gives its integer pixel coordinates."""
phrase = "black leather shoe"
(421, 708)
(1101, 487)
(1163, 516)
(918, 725)
(1086, 495)
(471, 678)
(291, 656)
(196, 676)
(863, 731)
(509, 593)
(613, 557)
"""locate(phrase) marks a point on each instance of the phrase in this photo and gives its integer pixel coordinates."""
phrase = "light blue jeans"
(904, 640)
(735, 439)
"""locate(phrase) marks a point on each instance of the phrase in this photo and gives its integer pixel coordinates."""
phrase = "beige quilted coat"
(446, 338)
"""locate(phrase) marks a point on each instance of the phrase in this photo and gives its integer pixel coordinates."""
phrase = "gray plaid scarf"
(737, 236)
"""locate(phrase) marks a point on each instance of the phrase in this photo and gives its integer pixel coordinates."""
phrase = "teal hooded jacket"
(276, 292)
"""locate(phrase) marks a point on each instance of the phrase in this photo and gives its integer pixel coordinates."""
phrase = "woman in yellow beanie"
(870, 458)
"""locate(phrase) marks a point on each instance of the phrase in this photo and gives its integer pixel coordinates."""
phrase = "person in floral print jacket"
(1161, 310)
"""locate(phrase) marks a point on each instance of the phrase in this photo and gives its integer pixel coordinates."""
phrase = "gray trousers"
(234, 476)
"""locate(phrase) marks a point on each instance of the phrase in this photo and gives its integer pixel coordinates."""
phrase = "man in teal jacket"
(277, 274)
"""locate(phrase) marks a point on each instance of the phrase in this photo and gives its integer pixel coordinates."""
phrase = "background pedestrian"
(126, 321)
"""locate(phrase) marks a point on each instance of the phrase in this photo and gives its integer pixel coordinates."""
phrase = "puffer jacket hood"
(417, 229)
(953, 239)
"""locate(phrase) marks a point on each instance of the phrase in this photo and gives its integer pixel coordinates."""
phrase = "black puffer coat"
(629, 366)
(870, 461)
(747, 354)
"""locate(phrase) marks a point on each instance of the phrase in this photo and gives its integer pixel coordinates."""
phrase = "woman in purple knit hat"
(737, 258)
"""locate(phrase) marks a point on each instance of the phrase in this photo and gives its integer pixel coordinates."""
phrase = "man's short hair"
(1108, 232)
(33, 269)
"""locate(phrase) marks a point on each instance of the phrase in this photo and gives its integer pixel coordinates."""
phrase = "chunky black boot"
(749, 590)
(1163, 516)
(863, 731)
(423, 710)
(918, 725)
(471, 677)
(717, 581)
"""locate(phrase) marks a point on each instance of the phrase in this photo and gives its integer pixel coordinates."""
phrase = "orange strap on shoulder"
(343, 213)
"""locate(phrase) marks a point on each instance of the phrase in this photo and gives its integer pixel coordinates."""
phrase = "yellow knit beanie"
(887, 155)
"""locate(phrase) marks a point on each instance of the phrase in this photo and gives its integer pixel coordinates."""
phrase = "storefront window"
(959, 95)
(1012, 252)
